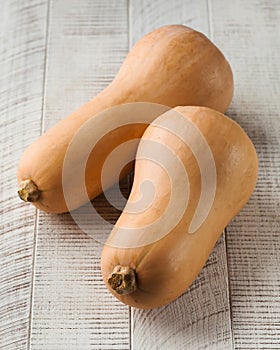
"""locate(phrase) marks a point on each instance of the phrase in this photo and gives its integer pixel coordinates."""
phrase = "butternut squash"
(173, 65)
(146, 262)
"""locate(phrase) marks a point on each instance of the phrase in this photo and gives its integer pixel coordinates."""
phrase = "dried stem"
(123, 280)
(28, 191)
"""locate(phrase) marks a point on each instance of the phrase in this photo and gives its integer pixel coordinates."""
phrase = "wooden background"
(54, 56)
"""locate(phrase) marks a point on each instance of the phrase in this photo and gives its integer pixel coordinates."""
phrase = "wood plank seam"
(211, 35)
(32, 279)
(36, 223)
(210, 19)
(229, 290)
(47, 35)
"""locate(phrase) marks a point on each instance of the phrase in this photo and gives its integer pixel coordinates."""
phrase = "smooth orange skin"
(173, 65)
(166, 268)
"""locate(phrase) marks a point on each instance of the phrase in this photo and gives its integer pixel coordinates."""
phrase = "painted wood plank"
(72, 308)
(22, 52)
(250, 33)
(199, 319)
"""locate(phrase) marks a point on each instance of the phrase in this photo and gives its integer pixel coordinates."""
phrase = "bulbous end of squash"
(122, 280)
(28, 191)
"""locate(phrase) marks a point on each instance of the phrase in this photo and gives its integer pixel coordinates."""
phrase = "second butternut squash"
(160, 243)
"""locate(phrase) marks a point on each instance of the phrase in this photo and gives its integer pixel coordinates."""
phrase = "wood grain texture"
(199, 319)
(22, 53)
(147, 15)
(250, 34)
(72, 309)
(63, 303)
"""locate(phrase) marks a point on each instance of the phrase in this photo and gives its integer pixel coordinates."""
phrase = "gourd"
(144, 263)
(173, 65)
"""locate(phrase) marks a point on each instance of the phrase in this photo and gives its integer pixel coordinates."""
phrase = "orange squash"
(146, 262)
(173, 65)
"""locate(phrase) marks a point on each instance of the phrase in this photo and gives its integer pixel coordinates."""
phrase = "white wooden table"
(54, 56)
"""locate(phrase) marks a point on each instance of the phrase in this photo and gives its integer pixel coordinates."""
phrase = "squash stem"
(28, 191)
(122, 280)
